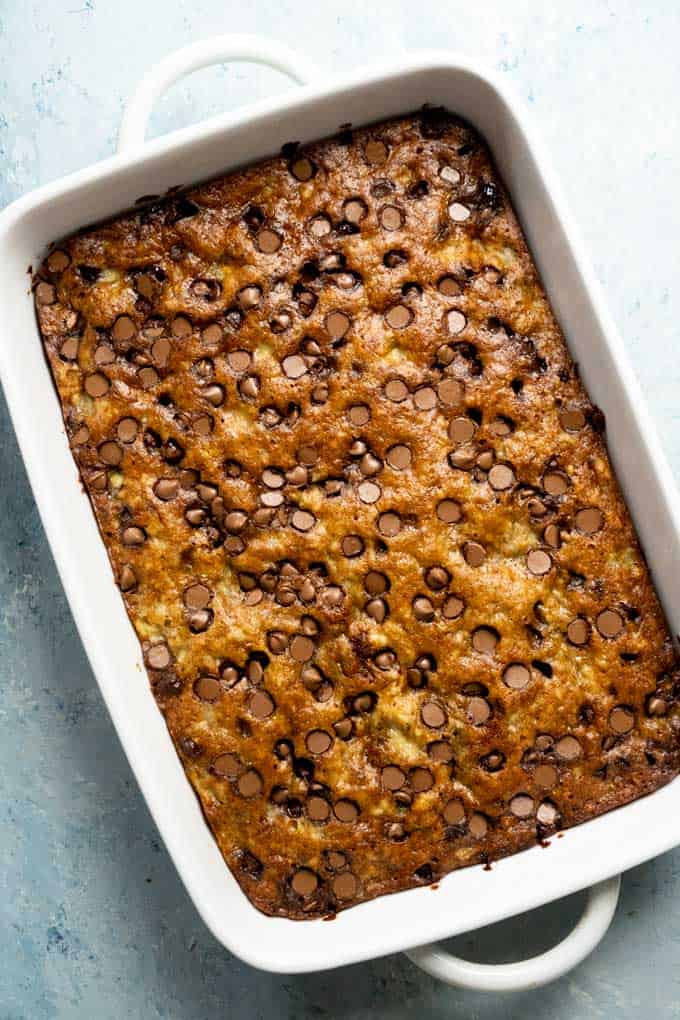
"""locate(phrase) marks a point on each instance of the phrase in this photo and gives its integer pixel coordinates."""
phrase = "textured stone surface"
(93, 919)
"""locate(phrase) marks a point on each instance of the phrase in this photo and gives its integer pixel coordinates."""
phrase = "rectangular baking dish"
(466, 899)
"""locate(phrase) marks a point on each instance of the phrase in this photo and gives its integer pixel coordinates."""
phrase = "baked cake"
(360, 510)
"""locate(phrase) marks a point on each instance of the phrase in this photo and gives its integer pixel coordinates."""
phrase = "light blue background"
(93, 920)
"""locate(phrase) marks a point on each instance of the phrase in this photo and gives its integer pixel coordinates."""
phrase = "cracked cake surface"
(360, 510)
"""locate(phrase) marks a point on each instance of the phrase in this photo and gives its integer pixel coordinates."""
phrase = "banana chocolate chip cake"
(361, 513)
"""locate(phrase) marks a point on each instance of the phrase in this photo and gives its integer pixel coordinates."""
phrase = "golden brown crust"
(329, 603)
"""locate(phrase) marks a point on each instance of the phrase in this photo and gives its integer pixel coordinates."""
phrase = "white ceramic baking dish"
(591, 853)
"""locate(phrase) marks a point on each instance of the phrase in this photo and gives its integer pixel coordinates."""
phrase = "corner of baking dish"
(465, 899)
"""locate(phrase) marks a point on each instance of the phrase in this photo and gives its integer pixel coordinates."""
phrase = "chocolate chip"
(166, 488)
(622, 719)
(440, 751)
(375, 152)
(249, 387)
(399, 457)
(459, 212)
(376, 583)
(318, 809)
(449, 286)
(555, 483)
(268, 241)
(370, 464)
(572, 419)
(589, 520)
(304, 882)
(239, 361)
(455, 322)
(331, 597)
(337, 324)
(343, 728)
(369, 492)
(385, 660)
(484, 640)
(294, 366)
(538, 562)
(478, 711)
(377, 609)
(352, 545)
(568, 748)
(180, 327)
(391, 217)
(214, 394)
(609, 623)
(452, 607)
(110, 453)
(58, 261)
(516, 676)
(96, 385)
(158, 656)
(133, 535)
(123, 328)
(392, 778)
(578, 631)
(437, 578)
(425, 398)
(398, 316)
(552, 536)
(494, 761)
(69, 348)
(474, 554)
(127, 579)
(207, 688)
(212, 334)
(345, 886)
(196, 596)
(277, 642)
(522, 805)
(449, 174)
(261, 704)
(396, 390)
(547, 813)
(346, 810)
(423, 610)
(302, 648)
(463, 457)
(433, 715)
(449, 511)
(421, 779)
(359, 414)
(228, 765)
(501, 477)
(354, 210)
(302, 169)
(461, 430)
(454, 812)
(297, 476)
(104, 355)
(318, 741)
(389, 524)
(148, 377)
(249, 297)
(655, 705)
(80, 436)
(545, 776)
(320, 226)
(250, 784)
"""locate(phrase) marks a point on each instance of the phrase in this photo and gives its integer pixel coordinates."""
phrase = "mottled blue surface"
(93, 920)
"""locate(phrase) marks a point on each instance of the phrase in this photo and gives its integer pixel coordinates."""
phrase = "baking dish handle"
(540, 970)
(252, 48)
